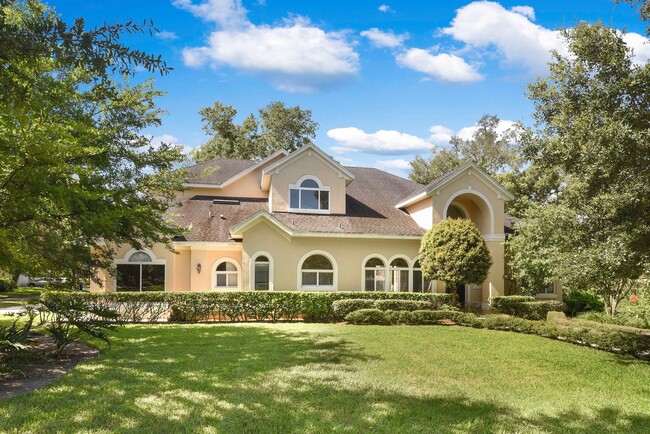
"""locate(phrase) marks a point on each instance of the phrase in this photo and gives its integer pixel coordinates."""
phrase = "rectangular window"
(309, 278)
(294, 197)
(153, 277)
(326, 278)
(309, 199)
(418, 281)
(262, 277)
(232, 280)
(325, 200)
(221, 279)
(128, 277)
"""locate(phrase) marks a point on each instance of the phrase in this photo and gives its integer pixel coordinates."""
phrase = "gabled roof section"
(228, 170)
(312, 150)
(440, 182)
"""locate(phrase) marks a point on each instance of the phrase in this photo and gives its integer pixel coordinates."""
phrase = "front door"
(460, 293)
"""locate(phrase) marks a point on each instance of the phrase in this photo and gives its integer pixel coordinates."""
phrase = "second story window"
(309, 195)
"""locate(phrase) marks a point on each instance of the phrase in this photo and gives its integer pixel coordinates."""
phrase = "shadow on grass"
(257, 379)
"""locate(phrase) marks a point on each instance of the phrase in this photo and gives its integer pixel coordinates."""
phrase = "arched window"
(317, 271)
(261, 273)
(140, 272)
(420, 283)
(226, 275)
(375, 274)
(309, 195)
(399, 275)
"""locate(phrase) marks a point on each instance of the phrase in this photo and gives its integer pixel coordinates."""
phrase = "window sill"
(309, 211)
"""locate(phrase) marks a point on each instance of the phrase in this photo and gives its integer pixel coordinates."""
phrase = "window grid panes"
(261, 274)
(140, 277)
(375, 275)
(309, 196)
(317, 270)
(227, 275)
(399, 275)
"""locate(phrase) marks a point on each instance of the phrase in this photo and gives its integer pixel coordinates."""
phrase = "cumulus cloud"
(640, 46)
(384, 142)
(443, 66)
(440, 134)
(517, 39)
(156, 141)
(396, 167)
(388, 39)
(295, 55)
(526, 11)
(384, 8)
(167, 36)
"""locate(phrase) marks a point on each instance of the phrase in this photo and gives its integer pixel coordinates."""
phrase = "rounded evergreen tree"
(454, 252)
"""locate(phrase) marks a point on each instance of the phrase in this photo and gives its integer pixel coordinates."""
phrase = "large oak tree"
(77, 174)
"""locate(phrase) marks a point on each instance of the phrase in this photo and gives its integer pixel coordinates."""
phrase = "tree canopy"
(278, 127)
(592, 116)
(77, 174)
(453, 251)
(493, 151)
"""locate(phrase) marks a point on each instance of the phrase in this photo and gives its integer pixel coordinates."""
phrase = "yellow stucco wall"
(307, 164)
(349, 255)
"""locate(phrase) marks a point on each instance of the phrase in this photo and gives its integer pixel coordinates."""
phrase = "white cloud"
(385, 8)
(520, 41)
(440, 134)
(443, 66)
(640, 46)
(156, 141)
(526, 11)
(352, 139)
(226, 13)
(396, 167)
(167, 36)
(384, 39)
(295, 56)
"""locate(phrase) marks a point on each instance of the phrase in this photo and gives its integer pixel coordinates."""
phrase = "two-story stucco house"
(302, 221)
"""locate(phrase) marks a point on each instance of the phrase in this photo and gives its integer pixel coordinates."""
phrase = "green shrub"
(620, 319)
(235, 305)
(6, 285)
(367, 316)
(578, 301)
(554, 316)
(343, 307)
(404, 305)
(526, 307)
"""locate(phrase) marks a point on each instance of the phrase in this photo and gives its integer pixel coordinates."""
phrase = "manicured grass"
(330, 377)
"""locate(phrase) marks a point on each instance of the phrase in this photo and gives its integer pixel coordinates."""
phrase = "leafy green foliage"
(278, 127)
(526, 307)
(69, 318)
(341, 308)
(233, 305)
(454, 252)
(494, 152)
(77, 174)
(592, 116)
(578, 301)
(6, 285)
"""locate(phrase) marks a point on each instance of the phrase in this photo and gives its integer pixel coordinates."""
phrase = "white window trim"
(470, 190)
(461, 207)
(252, 269)
(389, 274)
(363, 269)
(321, 187)
(335, 267)
(213, 274)
(154, 261)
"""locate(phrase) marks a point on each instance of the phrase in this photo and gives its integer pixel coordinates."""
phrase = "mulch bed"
(40, 371)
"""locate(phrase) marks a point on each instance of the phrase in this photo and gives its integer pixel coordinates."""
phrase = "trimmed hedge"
(343, 307)
(236, 305)
(526, 307)
(616, 341)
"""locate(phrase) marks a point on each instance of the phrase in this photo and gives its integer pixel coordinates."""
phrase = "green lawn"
(329, 377)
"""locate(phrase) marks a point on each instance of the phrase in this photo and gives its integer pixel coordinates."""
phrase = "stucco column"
(494, 284)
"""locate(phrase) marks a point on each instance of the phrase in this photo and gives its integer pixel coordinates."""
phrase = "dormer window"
(309, 195)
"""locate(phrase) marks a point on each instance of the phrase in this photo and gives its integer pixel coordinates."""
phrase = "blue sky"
(386, 80)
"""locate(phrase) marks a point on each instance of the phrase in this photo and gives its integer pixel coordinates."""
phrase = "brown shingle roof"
(370, 203)
(217, 171)
(203, 217)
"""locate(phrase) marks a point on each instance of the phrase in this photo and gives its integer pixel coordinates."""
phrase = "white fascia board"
(412, 200)
(356, 236)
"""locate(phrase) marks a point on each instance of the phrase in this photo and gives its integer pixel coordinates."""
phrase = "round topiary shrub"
(454, 252)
